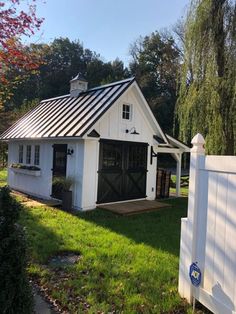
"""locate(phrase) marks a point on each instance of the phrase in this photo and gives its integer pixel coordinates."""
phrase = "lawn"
(127, 264)
(3, 177)
(183, 190)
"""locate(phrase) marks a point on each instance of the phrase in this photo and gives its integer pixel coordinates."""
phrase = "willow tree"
(207, 94)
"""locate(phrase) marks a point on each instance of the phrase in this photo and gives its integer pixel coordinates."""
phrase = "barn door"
(59, 168)
(135, 171)
(122, 171)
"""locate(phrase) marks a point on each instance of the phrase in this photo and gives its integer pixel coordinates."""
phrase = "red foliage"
(15, 23)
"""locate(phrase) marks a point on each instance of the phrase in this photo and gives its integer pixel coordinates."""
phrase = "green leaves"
(206, 101)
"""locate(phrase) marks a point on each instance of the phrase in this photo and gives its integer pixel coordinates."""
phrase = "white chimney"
(78, 85)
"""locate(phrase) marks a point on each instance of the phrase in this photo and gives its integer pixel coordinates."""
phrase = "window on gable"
(36, 155)
(126, 112)
(28, 154)
(21, 154)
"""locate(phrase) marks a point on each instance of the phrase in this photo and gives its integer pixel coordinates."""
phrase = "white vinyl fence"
(208, 234)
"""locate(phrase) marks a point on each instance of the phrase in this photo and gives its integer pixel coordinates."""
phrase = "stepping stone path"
(64, 259)
(40, 305)
(60, 260)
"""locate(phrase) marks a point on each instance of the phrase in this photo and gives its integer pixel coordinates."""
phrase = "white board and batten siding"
(208, 234)
(112, 126)
(41, 186)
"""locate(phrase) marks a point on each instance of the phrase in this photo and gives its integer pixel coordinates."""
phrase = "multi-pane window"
(137, 157)
(36, 155)
(112, 155)
(21, 154)
(126, 112)
(28, 154)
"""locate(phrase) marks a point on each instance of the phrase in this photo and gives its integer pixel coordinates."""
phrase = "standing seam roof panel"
(57, 120)
(87, 113)
(43, 118)
(66, 116)
(55, 112)
(26, 123)
(66, 122)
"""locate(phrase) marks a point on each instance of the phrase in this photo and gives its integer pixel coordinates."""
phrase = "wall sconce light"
(70, 151)
(132, 131)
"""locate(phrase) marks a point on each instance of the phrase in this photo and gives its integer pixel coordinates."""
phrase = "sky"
(107, 27)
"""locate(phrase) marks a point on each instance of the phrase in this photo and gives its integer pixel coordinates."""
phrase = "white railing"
(208, 234)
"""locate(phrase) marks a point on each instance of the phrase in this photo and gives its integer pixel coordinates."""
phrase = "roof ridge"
(53, 98)
(112, 84)
(92, 89)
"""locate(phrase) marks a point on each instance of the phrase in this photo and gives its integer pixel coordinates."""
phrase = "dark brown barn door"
(59, 168)
(122, 171)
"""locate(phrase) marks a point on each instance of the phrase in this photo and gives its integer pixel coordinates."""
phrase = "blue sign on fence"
(195, 274)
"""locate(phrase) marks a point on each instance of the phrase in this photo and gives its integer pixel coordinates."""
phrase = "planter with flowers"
(62, 189)
(25, 170)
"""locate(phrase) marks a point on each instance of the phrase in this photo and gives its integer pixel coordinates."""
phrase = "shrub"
(63, 183)
(15, 291)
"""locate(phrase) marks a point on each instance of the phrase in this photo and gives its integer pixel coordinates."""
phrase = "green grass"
(183, 190)
(128, 264)
(3, 177)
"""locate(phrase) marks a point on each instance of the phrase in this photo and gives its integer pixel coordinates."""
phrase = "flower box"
(35, 173)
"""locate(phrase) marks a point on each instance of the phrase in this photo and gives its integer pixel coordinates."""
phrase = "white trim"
(168, 150)
(111, 84)
(53, 98)
(130, 111)
(149, 111)
(178, 143)
(133, 200)
(64, 138)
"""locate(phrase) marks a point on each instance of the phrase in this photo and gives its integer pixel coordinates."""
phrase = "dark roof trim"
(159, 139)
(94, 133)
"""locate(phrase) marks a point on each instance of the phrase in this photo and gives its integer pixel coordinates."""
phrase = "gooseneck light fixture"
(132, 131)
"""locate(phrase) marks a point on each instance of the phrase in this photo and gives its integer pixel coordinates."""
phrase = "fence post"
(189, 224)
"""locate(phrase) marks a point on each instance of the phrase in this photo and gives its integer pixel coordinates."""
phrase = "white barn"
(106, 138)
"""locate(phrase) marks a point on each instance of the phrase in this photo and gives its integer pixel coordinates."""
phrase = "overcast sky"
(106, 26)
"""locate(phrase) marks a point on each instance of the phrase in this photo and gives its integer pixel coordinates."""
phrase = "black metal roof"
(67, 116)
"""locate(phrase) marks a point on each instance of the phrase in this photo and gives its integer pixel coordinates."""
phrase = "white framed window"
(28, 154)
(126, 112)
(36, 155)
(20, 154)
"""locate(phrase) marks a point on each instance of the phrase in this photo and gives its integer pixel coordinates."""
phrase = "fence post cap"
(198, 144)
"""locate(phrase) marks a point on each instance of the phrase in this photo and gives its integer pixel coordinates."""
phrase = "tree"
(15, 23)
(207, 93)
(62, 60)
(155, 65)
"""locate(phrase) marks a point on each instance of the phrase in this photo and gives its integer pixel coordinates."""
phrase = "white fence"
(208, 234)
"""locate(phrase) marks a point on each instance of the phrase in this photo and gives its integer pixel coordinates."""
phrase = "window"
(112, 154)
(28, 154)
(126, 112)
(137, 157)
(21, 153)
(36, 155)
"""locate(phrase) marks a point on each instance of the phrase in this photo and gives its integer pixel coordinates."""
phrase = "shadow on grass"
(159, 229)
(43, 242)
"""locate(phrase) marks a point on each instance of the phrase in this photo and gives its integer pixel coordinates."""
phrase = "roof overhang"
(174, 146)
